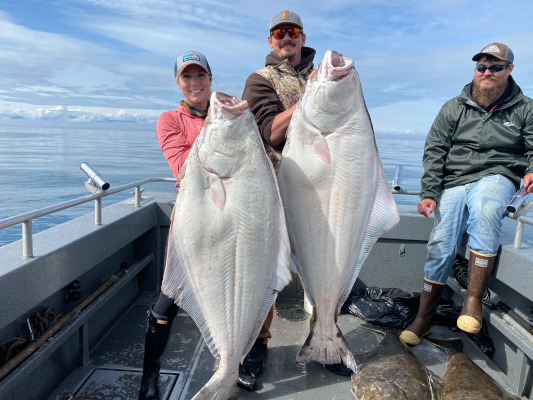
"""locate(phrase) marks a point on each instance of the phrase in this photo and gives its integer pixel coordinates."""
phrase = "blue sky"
(106, 63)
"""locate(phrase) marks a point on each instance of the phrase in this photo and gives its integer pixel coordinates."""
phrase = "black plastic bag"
(395, 308)
(446, 314)
(390, 307)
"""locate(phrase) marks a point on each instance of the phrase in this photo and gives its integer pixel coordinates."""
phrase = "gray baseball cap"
(190, 57)
(286, 17)
(499, 50)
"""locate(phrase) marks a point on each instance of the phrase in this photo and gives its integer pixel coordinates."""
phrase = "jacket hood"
(308, 54)
(510, 93)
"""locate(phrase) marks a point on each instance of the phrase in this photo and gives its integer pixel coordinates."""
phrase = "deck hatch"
(108, 383)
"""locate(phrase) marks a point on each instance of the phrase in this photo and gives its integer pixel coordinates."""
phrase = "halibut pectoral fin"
(320, 146)
(218, 193)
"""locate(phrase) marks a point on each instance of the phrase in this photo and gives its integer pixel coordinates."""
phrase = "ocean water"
(41, 167)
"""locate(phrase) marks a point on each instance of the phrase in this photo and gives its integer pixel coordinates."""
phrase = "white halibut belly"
(228, 252)
(327, 208)
(230, 267)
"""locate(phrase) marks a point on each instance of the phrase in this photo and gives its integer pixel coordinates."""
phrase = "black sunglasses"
(294, 33)
(493, 68)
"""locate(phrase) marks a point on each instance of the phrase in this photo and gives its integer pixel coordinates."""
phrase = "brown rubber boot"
(420, 327)
(479, 269)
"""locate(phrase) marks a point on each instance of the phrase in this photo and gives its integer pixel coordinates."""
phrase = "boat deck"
(98, 354)
(115, 366)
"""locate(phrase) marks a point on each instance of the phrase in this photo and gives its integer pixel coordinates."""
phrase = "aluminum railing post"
(27, 239)
(137, 196)
(518, 234)
(98, 211)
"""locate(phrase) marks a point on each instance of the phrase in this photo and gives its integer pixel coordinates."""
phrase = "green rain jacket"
(467, 142)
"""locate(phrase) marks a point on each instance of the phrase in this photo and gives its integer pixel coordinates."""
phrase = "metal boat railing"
(521, 219)
(27, 218)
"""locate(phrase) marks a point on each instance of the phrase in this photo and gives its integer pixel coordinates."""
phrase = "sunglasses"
(493, 68)
(294, 33)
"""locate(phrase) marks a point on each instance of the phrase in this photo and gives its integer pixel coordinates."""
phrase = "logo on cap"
(191, 57)
(285, 15)
(492, 48)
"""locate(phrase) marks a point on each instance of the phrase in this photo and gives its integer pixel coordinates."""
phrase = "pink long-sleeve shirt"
(176, 131)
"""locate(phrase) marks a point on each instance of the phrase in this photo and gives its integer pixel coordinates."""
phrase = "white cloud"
(119, 54)
(76, 114)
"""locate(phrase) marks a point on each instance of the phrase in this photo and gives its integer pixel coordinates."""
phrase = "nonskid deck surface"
(115, 367)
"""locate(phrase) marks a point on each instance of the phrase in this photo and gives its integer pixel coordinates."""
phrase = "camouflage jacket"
(274, 89)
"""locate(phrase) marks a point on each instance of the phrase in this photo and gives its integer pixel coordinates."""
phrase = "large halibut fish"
(463, 378)
(391, 371)
(336, 198)
(228, 251)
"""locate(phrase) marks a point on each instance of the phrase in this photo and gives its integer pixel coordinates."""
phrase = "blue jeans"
(476, 208)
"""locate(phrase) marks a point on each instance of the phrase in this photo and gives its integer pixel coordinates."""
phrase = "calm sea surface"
(41, 167)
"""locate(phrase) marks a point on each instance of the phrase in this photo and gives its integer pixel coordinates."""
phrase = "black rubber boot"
(157, 334)
(253, 365)
(247, 382)
(339, 369)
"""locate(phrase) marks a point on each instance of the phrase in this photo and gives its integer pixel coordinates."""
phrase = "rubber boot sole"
(468, 324)
(411, 338)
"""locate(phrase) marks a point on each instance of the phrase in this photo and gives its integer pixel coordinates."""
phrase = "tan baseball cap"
(499, 50)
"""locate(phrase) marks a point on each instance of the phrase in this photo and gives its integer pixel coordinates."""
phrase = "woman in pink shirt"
(176, 131)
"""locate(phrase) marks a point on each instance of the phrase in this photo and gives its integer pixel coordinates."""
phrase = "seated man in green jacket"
(479, 148)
